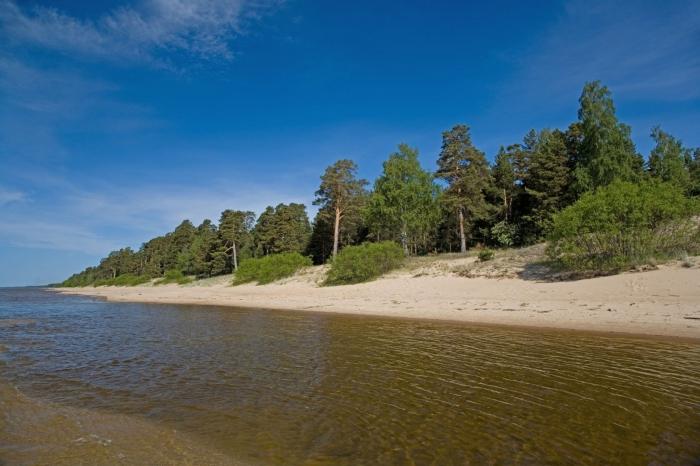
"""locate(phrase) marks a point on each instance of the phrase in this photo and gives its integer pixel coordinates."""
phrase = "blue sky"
(120, 118)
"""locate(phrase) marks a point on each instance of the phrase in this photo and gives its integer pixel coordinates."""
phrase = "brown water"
(88, 382)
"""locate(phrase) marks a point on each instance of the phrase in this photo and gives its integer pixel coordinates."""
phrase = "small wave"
(8, 323)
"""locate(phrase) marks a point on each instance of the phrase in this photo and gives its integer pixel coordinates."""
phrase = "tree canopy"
(516, 200)
(404, 203)
(607, 152)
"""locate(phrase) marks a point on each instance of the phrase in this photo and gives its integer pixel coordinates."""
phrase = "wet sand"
(663, 302)
(42, 433)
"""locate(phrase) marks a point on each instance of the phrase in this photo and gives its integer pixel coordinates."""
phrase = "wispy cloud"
(8, 196)
(56, 235)
(644, 51)
(638, 48)
(143, 32)
(49, 91)
(102, 217)
(40, 104)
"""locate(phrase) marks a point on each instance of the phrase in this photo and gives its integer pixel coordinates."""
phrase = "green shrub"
(129, 279)
(624, 224)
(504, 233)
(77, 280)
(356, 264)
(270, 268)
(486, 254)
(174, 276)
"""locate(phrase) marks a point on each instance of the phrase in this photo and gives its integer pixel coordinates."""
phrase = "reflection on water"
(264, 387)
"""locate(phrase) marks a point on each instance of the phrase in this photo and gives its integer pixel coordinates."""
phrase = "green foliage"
(174, 276)
(198, 259)
(669, 161)
(84, 278)
(320, 247)
(504, 234)
(404, 206)
(341, 196)
(625, 224)
(504, 178)
(544, 184)
(130, 280)
(694, 169)
(607, 152)
(284, 228)
(486, 254)
(123, 280)
(511, 203)
(356, 264)
(270, 268)
(180, 241)
(353, 231)
(466, 171)
(236, 233)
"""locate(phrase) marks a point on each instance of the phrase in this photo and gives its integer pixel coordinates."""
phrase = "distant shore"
(663, 302)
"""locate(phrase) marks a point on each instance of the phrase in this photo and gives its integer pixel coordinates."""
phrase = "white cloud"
(8, 196)
(201, 28)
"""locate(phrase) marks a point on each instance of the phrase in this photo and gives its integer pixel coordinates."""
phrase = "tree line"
(466, 201)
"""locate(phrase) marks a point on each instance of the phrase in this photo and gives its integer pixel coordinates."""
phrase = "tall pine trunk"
(235, 257)
(462, 237)
(336, 232)
(404, 241)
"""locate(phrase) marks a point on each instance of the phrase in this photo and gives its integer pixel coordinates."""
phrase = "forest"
(575, 183)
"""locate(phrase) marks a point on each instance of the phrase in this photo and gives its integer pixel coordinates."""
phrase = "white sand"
(664, 302)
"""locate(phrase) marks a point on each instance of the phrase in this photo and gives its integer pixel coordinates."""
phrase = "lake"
(84, 381)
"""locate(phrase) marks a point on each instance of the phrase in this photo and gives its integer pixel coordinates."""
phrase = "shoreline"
(660, 303)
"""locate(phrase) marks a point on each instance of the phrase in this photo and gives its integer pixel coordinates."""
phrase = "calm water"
(88, 382)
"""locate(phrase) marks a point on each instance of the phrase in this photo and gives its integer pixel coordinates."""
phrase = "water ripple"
(297, 388)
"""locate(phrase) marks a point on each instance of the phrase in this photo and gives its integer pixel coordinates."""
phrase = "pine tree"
(284, 228)
(547, 181)
(466, 171)
(505, 181)
(321, 241)
(202, 247)
(179, 242)
(341, 194)
(235, 229)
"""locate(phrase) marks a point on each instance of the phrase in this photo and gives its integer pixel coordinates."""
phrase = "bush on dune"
(486, 254)
(356, 264)
(174, 276)
(270, 268)
(625, 224)
(127, 279)
(130, 280)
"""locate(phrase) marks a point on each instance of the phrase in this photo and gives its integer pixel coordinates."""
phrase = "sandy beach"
(663, 302)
